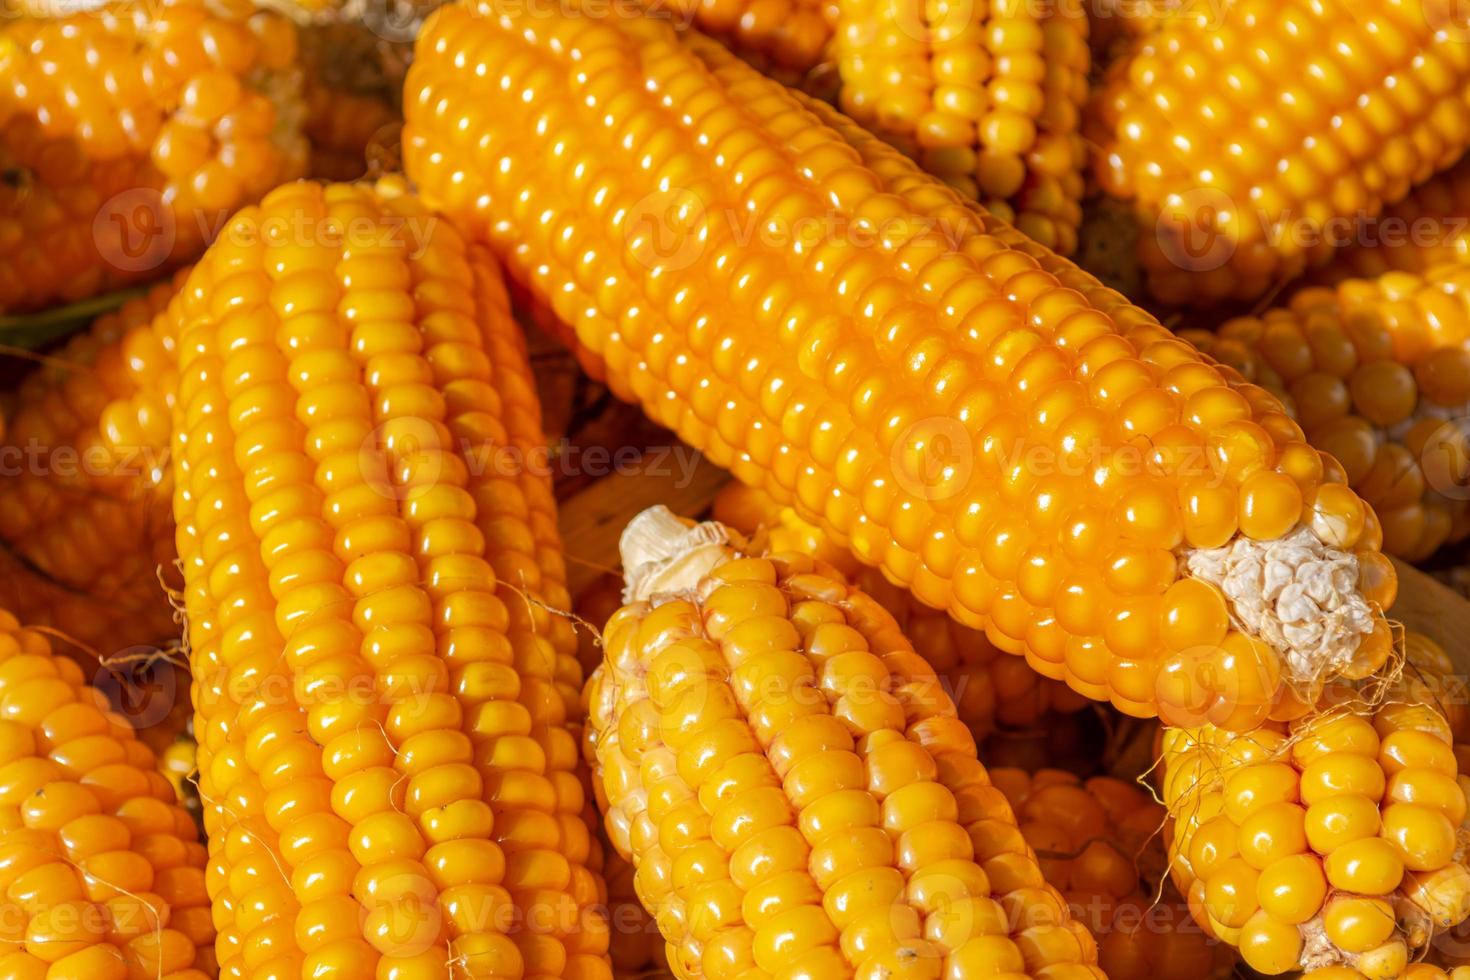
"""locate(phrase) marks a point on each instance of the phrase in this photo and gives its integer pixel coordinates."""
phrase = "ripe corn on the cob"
(127, 135)
(1336, 842)
(988, 687)
(84, 501)
(1244, 140)
(955, 404)
(386, 712)
(102, 871)
(1097, 842)
(1377, 374)
(789, 780)
(986, 96)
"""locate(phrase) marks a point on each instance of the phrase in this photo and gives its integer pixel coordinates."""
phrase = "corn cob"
(386, 712)
(1244, 141)
(953, 403)
(102, 872)
(988, 687)
(1427, 229)
(1377, 374)
(1335, 842)
(1097, 842)
(125, 140)
(84, 504)
(789, 780)
(987, 97)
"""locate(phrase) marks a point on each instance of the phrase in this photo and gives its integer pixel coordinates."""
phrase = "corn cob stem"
(957, 405)
(791, 785)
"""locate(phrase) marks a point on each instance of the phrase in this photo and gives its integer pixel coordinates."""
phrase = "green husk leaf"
(32, 331)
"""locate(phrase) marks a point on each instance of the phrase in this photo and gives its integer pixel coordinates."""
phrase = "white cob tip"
(664, 553)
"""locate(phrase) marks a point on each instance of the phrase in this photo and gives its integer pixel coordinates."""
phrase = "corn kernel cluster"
(128, 134)
(1097, 842)
(1334, 843)
(1240, 138)
(985, 96)
(1377, 373)
(989, 688)
(87, 506)
(102, 871)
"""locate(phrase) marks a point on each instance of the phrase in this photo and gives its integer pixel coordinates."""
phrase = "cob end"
(1297, 594)
(663, 553)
